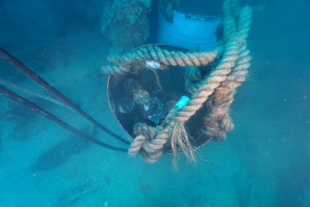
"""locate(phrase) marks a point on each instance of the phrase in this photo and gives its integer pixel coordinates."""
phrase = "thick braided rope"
(167, 6)
(154, 153)
(140, 143)
(143, 133)
(212, 81)
(123, 63)
(218, 121)
(229, 10)
(136, 145)
(209, 85)
(114, 70)
(241, 70)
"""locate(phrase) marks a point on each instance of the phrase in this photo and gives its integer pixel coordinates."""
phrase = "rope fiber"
(212, 86)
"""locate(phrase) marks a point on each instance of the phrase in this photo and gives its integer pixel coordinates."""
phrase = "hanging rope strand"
(214, 91)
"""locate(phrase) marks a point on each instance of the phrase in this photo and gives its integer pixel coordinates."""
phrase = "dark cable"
(55, 119)
(24, 69)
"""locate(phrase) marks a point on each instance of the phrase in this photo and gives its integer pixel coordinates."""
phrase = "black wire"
(38, 109)
(24, 69)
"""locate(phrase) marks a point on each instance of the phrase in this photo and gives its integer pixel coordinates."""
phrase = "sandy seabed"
(263, 162)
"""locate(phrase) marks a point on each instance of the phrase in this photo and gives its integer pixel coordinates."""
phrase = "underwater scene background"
(264, 160)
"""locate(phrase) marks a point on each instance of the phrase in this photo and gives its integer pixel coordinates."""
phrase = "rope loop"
(122, 64)
(215, 91)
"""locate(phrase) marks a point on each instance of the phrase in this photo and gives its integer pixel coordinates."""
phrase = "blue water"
(263, 162)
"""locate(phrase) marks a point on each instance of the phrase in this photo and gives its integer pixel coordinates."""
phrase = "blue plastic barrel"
(188, 31)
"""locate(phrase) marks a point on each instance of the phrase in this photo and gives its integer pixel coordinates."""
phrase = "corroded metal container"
(129, 99)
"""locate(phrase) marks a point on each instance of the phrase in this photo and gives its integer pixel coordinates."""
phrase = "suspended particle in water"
(141, 97)
(125, 105)
(131, 86)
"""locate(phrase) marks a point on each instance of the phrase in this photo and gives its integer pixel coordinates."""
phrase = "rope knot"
(144, 133)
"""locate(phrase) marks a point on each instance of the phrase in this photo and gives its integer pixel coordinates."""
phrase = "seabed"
(263, 161)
